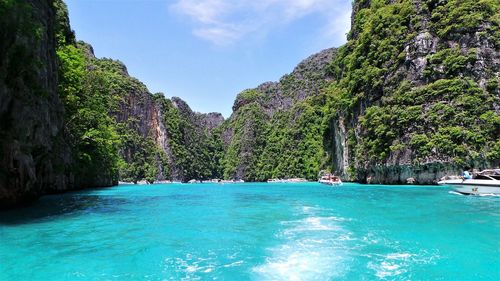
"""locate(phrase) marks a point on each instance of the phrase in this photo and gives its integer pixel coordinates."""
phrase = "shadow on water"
(52, 207)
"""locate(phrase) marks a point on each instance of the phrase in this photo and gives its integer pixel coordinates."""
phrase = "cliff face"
(135, 135)
(276, 129)
(420, 81)
(160, 138)
(69, 120)
(413, 94)
(191, 147)
(32, 151)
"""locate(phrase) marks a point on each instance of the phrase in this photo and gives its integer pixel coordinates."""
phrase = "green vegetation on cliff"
(436, 115)
(114, 125)
(90, 131)
(414, 88)
(277, 130)
(33, 154)
(195, 150)
(415, 84)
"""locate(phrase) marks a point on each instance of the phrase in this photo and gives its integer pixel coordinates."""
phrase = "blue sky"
(207, 51)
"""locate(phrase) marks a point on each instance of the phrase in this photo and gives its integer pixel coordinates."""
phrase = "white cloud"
(225, 22)
(218, 35)
(205, 12)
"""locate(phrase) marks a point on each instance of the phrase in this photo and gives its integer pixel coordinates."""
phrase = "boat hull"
(473, 187)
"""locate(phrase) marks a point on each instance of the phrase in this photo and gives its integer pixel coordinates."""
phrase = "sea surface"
(253, 231)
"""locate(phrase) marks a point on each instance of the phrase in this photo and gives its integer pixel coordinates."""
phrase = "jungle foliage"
(444, 115)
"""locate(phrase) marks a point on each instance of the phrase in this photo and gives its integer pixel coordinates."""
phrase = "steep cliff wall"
(69, 120)
(412, 94)
(416, 89)
(33, 152)
(276, 129)
(159, 138)
(194, 149)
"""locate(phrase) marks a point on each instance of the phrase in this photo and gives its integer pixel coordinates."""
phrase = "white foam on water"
(389, 266)
(392, 265)
(481, 195)
(398, 256)
(490, 194)
(310, 209)
(312, 250)
(316, 223)
(300, 264)
(192, 267)
(312, 223)
(371, 239)
(395, 264)
(233, 264)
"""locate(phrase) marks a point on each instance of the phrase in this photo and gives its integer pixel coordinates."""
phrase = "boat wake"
(194, 267)
(398, 263)
(481, 195)
(489, 195)
(311, 250)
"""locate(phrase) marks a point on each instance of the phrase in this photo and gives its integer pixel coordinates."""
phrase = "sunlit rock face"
(446, 55)
(413, 94)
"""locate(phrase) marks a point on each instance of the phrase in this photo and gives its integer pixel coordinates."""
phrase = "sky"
(207, 51)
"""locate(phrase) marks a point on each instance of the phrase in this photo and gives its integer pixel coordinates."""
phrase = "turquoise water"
(253, 232)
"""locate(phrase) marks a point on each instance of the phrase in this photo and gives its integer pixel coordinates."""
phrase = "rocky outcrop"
(210, 121)
(268, 125)
(449, 56)
(195, 149)
(33, 154)
(413, 94)
(157, 134)
(37, 154)
(306, 80)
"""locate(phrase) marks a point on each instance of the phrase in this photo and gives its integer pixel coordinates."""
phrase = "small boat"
(162, 182)
(125, 183)
(211, 181)
(330, 179)
(292, 180)
(275, 180)
(296, 180)
(486, 182)
(231, 181)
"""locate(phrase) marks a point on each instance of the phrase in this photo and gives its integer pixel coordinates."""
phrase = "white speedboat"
(485, 183)
(329, 179)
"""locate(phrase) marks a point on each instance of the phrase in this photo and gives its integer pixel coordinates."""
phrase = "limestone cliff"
(33, 152)
(427, 103)
(412, 94)
(276, 129)
(160, 138)
(70, 120)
